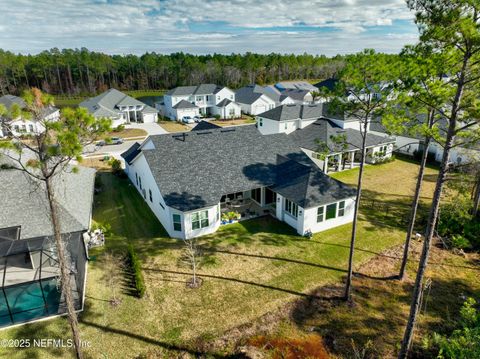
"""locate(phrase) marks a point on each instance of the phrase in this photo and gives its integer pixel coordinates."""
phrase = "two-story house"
(202, 100)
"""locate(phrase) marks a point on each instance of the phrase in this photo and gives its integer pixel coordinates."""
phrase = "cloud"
(122, 26)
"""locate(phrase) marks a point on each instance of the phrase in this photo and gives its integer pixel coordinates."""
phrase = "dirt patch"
(309, 346)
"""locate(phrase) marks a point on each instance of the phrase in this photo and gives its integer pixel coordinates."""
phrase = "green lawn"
(249, 269)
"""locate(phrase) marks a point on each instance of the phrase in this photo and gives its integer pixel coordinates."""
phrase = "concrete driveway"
(151, 128)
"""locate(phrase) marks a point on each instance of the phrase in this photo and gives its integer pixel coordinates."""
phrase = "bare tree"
(190, 257)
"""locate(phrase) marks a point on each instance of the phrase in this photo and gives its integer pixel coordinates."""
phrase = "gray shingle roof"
(203, 89)
(323, 130)
(205, 125)
(131, 153)
(329, 84)
(193, 170)
(298, 95)
(248, 94)
(9, 100)
(184, 104)
(107, 104)
(304, 112)
(24, 202)
(224, 102)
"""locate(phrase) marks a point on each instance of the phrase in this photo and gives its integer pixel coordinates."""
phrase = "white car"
(188, 119)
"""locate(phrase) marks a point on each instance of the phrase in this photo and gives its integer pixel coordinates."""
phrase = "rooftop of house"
(9, 100)
(296, 94)
(184, 104)
(328, 84)
(108, 104)
(202, 89)
(251, 93)
(25, 203)
(295, 85)
(205, 125)
(225, 102)
(195, 169)
(325, 131)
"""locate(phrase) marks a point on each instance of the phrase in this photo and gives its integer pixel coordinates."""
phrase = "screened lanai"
(30, 278)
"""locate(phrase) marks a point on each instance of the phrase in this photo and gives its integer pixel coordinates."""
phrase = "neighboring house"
(410, 144)
(299, 91)
(22, 126)
(309, 124)
(254, 99)
(120, 108)
(30, 272)
(190, 179)
(202, 100)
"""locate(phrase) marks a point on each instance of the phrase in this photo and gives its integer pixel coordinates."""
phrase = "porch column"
(340, 164)
(325, 165)
(352, 157)
(262, 196)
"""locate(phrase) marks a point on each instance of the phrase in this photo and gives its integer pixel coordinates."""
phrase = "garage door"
(260, 109)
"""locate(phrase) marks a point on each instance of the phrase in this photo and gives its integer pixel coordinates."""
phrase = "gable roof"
(184, 104)
(9, 100)
(193, 170)
(329, 84)
(202, 89)
(296, 94)
(323, 130)
(205, 125)
(25, 203)
(224, 102)
(131, 153)
(297, 85)
(108, 104)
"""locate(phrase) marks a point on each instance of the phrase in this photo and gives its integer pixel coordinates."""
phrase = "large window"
(257, 195)
(291, 208)
(320, 214)
(177, 222)
(199, 220)
(331, 211)
(341, 208)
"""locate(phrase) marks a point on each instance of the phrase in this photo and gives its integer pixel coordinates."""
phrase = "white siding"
(149, 117)
(310, 218)
(266, 126)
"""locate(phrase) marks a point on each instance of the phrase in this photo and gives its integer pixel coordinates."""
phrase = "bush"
(217, 117)
(119, 128)
(463, 342)
(457, 225)
(116, 167)
(134, 263)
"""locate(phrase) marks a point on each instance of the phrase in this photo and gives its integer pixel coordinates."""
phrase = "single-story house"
(120, 108)
(30, 273)
(24, 126)
(191, 180)
(253, 99)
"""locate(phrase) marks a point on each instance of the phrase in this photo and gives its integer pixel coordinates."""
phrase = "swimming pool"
(27, 301)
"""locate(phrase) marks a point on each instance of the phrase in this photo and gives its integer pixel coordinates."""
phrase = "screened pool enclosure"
(30, 276)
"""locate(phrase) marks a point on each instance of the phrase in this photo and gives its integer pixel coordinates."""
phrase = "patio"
(245, 205)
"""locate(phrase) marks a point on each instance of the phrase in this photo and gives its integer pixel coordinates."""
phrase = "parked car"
(116, 141)
(100, 143)
(197, 118)
(187, 119)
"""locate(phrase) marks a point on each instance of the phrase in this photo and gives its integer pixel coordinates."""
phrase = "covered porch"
(249, 204)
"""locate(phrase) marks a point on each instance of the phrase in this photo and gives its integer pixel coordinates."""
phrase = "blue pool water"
(27, 302)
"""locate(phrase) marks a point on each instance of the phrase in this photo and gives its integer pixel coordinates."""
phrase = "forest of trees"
(83, 72)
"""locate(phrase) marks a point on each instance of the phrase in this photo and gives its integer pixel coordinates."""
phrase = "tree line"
(82, 72)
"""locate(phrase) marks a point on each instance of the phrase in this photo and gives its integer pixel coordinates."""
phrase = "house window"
(218, 98)
(140, 182)
(150, 195)
(291, 208)
(24, 128)
(30, 127)
(177, 223)
(320, 214)
(16, 128)
(218, 212)
(341, 208)
(260, 122)
(231, 97)
(331, 211)
(161, 205)
(136, 179)
(199, 220)
(208, 98)
(199, 98)
(286, 125)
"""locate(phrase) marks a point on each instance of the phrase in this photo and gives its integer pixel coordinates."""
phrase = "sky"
(326, 27)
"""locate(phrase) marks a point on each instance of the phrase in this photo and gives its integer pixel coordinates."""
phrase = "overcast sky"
(205, 26)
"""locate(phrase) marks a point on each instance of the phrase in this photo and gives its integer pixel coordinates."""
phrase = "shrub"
(116, 167)
(217, 117)
(119, 128)
(463, 342)
(134, 263)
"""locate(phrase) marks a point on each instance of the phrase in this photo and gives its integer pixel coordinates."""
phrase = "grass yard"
(127, 133)
(174, 126)
(240, 121)
(249, 269)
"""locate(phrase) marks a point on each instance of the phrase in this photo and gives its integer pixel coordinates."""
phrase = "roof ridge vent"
(228, 130)
(204, 133)
(180, 137)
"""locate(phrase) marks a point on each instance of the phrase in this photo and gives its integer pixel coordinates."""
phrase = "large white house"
(20, 125)
(255, 99)
(120, 108)
(191, 179)
(202, 100)
(311, 126)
